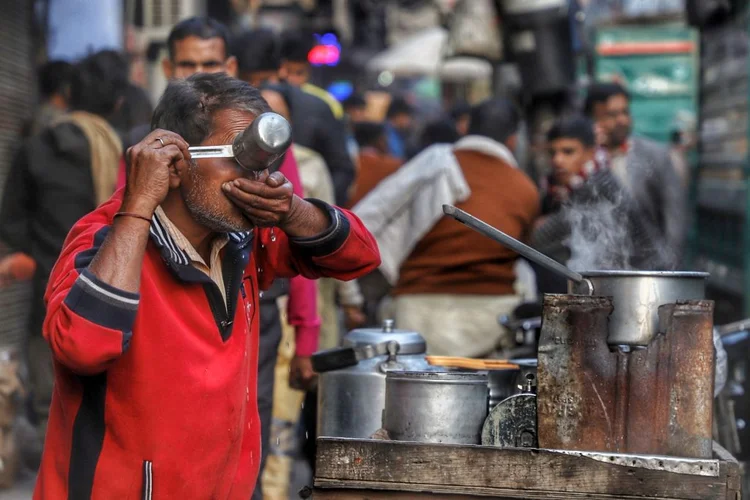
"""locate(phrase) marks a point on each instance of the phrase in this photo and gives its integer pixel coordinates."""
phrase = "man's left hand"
(301, 373)
(267, 201)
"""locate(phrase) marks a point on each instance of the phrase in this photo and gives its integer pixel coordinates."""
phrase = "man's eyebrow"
(195, 63)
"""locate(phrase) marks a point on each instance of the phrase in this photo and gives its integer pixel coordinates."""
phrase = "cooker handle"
(334, 359)
(345, 357)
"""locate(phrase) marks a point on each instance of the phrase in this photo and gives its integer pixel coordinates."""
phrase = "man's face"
(200, 185)
(401, 122)
(258, 78)
(296, 73)
(617, 122)
(568, 157)
(195, 55)
(357, 114)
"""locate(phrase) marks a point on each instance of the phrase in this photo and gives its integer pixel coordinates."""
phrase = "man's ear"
(177, 172)
(512, 142)
(283, 70)
(231, 65)
(166, 67)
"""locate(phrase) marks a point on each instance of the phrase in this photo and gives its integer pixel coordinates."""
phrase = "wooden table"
(348, 469)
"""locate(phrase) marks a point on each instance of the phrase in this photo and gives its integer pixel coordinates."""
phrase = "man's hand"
(16, 267)
(150, 164)
(268, 201)
(301, 373)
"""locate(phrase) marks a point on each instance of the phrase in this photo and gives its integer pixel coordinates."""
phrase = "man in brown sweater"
(456, 282)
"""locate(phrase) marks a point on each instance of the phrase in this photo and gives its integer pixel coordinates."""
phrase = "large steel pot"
(637, 296)
(435, 407)
(351, 385)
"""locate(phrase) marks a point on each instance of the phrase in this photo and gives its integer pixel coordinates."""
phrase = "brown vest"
(454, 259)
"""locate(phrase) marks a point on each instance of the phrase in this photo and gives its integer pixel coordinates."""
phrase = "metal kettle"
(351, 385)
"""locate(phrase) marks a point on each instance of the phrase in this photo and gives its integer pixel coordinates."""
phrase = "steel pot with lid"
(351, 385)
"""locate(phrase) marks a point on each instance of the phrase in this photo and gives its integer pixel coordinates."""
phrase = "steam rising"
(599, 237)
(610, 232)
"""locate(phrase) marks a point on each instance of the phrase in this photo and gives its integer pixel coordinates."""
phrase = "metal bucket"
(435, 407)
(637, 296)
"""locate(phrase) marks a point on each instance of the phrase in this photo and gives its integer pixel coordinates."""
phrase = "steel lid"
(443, 377)
(409, 342)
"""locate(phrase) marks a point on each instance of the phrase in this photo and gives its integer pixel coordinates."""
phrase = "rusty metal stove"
(656, 399)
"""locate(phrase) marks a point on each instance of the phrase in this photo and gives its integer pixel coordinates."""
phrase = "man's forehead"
(227, 123)
(194, 46)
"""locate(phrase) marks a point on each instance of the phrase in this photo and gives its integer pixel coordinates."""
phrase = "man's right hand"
(151, 161)
(16, 267)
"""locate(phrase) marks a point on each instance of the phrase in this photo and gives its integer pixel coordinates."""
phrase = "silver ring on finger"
(161, 140)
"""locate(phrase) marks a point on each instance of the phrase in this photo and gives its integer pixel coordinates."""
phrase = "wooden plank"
(730, 470)
(373, 490)
(352, 494)
(362, 462)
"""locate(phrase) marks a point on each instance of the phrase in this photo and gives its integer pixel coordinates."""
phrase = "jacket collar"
(179, 261)
(486, 146)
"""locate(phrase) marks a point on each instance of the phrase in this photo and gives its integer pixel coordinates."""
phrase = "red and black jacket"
(155, 392)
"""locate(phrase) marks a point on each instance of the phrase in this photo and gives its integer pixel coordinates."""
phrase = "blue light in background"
(341, 89)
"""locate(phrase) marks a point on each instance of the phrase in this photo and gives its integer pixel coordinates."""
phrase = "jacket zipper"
(231, 301)
(148, 480)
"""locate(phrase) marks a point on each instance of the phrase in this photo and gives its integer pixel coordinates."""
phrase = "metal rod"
(731, 328)
(211, 151)
(512, 243)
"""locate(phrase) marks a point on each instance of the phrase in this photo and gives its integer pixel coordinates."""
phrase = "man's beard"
(619, 136)
(206, 208)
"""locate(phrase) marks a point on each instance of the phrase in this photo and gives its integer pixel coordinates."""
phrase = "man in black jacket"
(315, 126)
(59, 176)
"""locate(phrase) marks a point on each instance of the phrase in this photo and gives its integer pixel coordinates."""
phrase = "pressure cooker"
(351, 386)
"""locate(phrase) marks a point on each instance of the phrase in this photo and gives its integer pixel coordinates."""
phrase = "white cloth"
(407, 204)
(487, 146)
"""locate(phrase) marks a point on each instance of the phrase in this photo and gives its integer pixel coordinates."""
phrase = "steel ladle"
(515, 245)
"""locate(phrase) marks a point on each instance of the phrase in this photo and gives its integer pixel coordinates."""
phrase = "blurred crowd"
(606, 189)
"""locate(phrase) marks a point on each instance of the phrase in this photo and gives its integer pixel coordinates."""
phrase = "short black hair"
(599, 93)
(399, 106)
(573, 127)
(295, 46)
(355, 100)
(459, 109)
(188, 106)
(202, 27)
(98, 82)
(54, 78)
(257, 50)
(368, 133)
(438, 132)
(496, 118)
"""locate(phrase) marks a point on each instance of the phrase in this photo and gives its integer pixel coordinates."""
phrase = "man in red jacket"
(152, 309)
